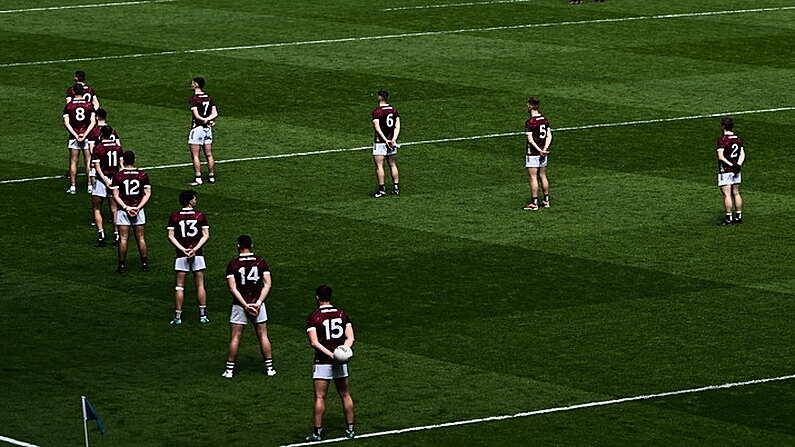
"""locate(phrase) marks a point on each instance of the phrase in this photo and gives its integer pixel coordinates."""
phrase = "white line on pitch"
(91, 5)
(600, 403)
(439, 140)
(454, 5)
(396, 36)
(15, 442)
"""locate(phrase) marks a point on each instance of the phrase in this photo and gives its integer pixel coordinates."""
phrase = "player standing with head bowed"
(88, 93)
(386, 127)
(731, 156)
(249, 280)
(131, 191)
(539, 138)
(106, 156)
(327, 328)
(203, 111)
(79, 120)
(188, 231)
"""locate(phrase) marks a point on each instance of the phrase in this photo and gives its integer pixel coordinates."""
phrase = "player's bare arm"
(147, 195)
(266, 288)
(202, 241)
(377, 127)
(349, 339)
(91, 126)
(236, 293)
(315, 343)
(532, 141)
(171, 238)
(722, 158)
(547, 143)
(95, 102)
(397, 132)
(741, 159)
(68, 126)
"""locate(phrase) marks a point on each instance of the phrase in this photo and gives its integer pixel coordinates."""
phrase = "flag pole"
(85, 426)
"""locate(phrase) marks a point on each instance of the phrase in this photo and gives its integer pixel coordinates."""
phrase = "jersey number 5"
(542, 131)
(333, 328)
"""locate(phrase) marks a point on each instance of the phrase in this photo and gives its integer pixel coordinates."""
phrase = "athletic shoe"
(378, 194)
(122, 269)
(211, 179)
(115, 242)
(204, 320)
(175, 322)
(530, 207)
(72, 190)
(270, 372)
(395, 191)
(228, 374)
(349, 434)
(92, 222)
(725, 223)
(90, 189)
(196, 182)
(737, 221)
(544, 204)
(314, 437)
(100, 243)
(144, 267)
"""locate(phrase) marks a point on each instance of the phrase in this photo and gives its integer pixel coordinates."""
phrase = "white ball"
(343, 353)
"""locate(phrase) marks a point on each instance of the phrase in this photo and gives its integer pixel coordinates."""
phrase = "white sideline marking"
(397, 36)
(454, 5)
(600, 403)
(438, 140)
(15, 442)
(92, 5)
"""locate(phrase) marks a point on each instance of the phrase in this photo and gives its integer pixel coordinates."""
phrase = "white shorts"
(186, 264)
(200, 135)
(729, 178)
(535, 161)
(328, 372)
(383, 149)
(74, 145)
(122, 218)
(100, 190)
(240, 316)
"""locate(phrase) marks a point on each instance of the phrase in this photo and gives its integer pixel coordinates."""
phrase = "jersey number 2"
(333, 328)
(735, 150)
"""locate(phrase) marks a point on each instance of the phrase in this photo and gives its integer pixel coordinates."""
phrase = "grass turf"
(464, 306)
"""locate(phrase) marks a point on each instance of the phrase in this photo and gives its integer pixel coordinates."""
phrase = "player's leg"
(393, 170)
(179, 297)
(96, 208)
(124, 233)
(195, 150)
(208, 153)
(378, 162)
(542, 175)
(347, 404)
(142, 250)
(234, 343)
(114, 207)
(726, 192)
(321, 389)
(74, 156)
(738, 204)
(532, 176)
(87, 164)
(201, 295)
(265, 346)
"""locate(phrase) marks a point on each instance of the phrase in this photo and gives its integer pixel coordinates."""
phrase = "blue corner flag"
(90, 414)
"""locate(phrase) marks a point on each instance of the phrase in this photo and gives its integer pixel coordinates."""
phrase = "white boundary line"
(15, 442)
(438, 140)
(92, 5)
(397, 36)
(600, 403)
(454, 5)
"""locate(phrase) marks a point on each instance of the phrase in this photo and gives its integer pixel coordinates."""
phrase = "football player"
(79, 121)
(88, 94)
(131, 191)
(731, 156)
(106, 153)
(188, 231)
(539, 138)
(249, 280)
(386, 127)
(203, 112)
(327, 328)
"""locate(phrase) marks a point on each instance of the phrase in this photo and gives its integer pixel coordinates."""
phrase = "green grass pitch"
(465, 306)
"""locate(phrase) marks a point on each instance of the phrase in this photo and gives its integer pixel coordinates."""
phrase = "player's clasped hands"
(189, 252)
(252, 309)
(132, 211)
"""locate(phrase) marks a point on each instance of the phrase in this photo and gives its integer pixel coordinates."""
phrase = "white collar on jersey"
(325, 306)
(246, 254)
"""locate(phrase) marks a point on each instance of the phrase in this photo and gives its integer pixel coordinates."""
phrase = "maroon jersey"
(329, 324)
(203, 104)
(108, 153)
(188, 224)
(94, 135)
(732, 146)
(131, 184)
(387, 118)
(88, 93)
(79, 112)
(248, 270)
(538, 129)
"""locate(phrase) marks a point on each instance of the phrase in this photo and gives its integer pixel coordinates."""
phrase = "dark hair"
(323, 293)
(533, 102)
(128, 158)
(80, 75)
(383, 94)
(199, 81)
(101, 113)
(186, 196)
(727, 123)
(244, 241)
(105, 132)
(78, 89)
